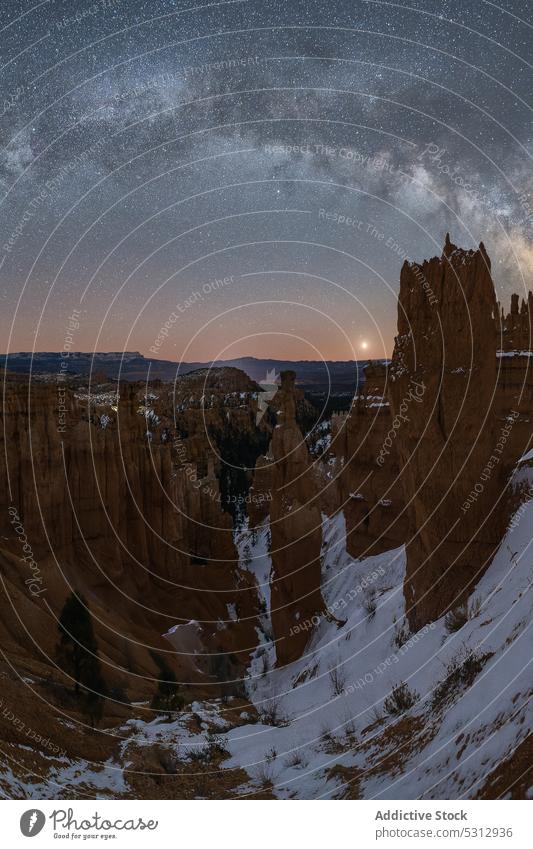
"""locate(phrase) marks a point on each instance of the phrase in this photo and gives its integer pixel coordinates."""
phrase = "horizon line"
(121, 354)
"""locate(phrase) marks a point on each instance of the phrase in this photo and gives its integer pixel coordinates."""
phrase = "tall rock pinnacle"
(443, 379)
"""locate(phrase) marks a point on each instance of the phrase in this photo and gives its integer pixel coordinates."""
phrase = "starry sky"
(205, 180)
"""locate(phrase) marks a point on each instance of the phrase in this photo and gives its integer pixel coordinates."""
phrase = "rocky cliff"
(459, 430)
(115, 501)
(286, 486)
(426, 451)
(367, 472)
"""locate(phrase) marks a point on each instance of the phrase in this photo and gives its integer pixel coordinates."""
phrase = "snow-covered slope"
(370, 711)
(336, 730)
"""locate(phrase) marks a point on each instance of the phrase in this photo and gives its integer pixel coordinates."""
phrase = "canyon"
(232, 530)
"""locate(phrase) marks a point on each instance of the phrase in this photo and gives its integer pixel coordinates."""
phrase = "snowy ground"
(331, 701)
(330, 704)
(333, 728)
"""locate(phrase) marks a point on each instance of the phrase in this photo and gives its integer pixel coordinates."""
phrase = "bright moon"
(364, 345)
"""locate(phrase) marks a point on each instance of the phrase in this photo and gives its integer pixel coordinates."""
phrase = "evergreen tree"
(167, 699)
(78, 654)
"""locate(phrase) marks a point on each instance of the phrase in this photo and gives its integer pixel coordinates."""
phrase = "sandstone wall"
(114, 513)
(458, 445)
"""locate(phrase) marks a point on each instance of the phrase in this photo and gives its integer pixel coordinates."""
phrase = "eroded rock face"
(371, 496)
(261, 490)
(515, 376)
(516, 328)
(426, 452)
(296, 529)
(451, 437)
(111, 508)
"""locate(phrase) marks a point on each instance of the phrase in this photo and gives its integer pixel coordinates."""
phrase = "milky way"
(259, 170)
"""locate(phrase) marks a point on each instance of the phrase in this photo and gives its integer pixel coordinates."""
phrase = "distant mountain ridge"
(340, 376)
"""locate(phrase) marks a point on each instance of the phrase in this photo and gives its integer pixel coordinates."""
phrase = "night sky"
(256, 170)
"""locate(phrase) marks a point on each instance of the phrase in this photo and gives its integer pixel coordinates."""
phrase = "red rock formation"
(516, 326)
(425, 453)
(452, 431)
(112, 511)
(261, 490)
(370, 492)
(296, 528)
(515, 375)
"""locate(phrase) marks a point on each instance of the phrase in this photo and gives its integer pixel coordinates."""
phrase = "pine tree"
(167, 699)
(78, 654)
